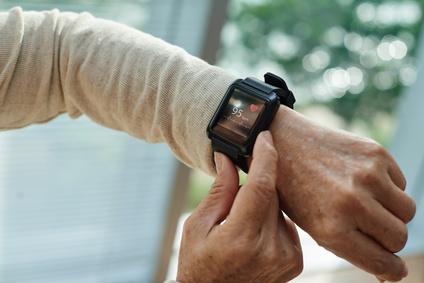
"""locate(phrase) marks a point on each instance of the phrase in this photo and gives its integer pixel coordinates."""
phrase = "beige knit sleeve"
(52, 63)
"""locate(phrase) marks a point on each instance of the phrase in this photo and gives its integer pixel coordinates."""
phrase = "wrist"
(294, 134)
(248, 108)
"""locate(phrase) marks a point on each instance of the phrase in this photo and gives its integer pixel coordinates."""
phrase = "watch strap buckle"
(275, 80)
(286, 96)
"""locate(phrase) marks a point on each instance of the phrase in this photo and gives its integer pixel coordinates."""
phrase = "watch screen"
(239, 116)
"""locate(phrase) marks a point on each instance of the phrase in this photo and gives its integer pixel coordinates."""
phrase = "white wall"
(408, 149)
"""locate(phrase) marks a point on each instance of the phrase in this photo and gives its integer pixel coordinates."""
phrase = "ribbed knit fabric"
(124, 79)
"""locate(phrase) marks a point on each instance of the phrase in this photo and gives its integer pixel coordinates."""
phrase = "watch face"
(239, 116)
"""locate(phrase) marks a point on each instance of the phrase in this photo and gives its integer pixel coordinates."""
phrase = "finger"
(381, 225)
(294, 235)
(396, 201)
(368, 255)
(396, 174)
(216, 205)
(255, 196)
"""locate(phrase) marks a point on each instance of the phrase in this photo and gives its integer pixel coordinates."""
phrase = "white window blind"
(78, 202)
(134, 13)
(81, 203)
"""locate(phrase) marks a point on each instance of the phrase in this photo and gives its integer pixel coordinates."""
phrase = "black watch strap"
(232, 153)
(286, 96)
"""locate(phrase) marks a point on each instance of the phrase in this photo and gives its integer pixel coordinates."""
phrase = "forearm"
(121, 78)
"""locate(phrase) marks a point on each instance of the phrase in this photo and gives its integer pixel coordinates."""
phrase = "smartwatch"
(247, 108)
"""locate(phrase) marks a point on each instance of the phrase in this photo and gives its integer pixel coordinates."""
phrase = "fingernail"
(405, 271)
(218, 162)
(268, 137)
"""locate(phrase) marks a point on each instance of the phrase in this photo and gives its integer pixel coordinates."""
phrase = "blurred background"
(81, 203)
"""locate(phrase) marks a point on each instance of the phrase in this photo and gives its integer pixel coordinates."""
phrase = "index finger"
(253, 201)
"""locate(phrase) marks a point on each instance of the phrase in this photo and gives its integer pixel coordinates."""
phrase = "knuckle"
(286, 260)
(329, 233)
(384, 267)
(403, 235)
(402, 181)
(294, 263)
(378, 266)
(368, 173)
(215, 193)
(266, 185)
(296, 269)
(272, 155)
(188, 224)
(387, 266)
(374, 149)
(355, 201)
(217, 187)
(412, 207)
(374, 156)
(349, 200)
(280, 256)
(265, 180)
(268, 158)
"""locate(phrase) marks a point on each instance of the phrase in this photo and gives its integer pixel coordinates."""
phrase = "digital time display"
(239, 116)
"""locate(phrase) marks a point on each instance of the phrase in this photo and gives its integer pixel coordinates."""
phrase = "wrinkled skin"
(256, 243)
(346, 191)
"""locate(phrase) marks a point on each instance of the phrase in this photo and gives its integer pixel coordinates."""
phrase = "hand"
(347, 192)
(255, 243)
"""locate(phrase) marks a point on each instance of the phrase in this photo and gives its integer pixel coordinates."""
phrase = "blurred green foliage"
(199, 186)
(130, 12)
(353, 56)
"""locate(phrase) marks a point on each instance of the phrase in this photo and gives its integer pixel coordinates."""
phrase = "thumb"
(255, 197)
(216, 205)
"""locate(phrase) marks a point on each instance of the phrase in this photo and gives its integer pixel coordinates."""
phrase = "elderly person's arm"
(345, 191)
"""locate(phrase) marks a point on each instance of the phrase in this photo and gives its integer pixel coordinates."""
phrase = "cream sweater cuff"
(120, 77)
